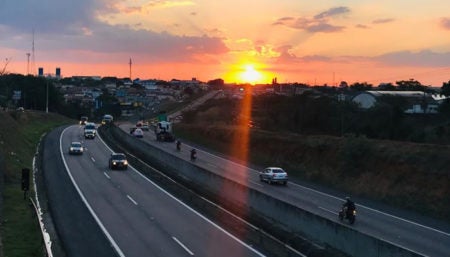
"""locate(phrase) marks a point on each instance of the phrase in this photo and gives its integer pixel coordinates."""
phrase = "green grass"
(405, 175)
(21, 232)
(19, 136)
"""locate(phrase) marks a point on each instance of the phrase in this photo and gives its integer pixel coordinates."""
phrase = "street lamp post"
(46, 99)
(341, 99)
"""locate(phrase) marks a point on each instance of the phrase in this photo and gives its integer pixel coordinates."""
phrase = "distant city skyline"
(239, 41)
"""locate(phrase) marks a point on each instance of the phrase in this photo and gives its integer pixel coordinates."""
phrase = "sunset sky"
(314, 42)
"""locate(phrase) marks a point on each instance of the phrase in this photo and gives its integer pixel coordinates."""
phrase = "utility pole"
(46, 101)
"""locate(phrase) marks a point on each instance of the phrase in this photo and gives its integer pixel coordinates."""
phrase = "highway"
(137, 216)
(412, 235)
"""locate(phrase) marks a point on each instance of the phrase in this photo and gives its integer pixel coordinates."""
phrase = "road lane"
(141, 217)
(399, 231)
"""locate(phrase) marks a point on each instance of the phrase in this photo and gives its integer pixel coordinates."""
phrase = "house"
(417, 101)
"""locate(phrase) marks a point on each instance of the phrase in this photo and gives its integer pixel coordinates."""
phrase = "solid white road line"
(92, 158)
(106, 175)
(182, 245)
(97, 219)
(191, 209)
(377, 211)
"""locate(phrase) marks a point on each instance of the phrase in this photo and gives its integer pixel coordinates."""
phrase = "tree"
(410, 85)
(361, 86)
(445, 89)
(3, 71)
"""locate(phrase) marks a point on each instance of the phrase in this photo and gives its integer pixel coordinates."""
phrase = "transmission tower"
(33, 68)
(28, 63)
(130, 67)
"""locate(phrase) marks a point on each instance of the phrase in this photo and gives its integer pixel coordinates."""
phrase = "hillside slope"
(406, 175)
(19, 134)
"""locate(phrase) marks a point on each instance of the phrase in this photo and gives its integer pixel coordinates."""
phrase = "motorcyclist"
(349, 206)
(193, 154)
(178, 145)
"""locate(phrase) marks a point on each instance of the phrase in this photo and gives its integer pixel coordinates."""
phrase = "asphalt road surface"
(138, 217)
(422, 239)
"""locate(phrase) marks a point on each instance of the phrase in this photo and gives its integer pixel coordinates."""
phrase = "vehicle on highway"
(273, 175)
(138, 133)
(83, 120)
(193, 155)
(163, 131)
(107, 118)
(118, 161)
(76, 148)
(348, 211)
(145, 126)
(178, 144)
(90, 130)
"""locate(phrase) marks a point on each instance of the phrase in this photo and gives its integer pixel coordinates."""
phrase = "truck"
(83, 120)
(90, 131)
(163, 131)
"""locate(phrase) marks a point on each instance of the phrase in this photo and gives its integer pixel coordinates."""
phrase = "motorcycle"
(349, 215)
(193, 155)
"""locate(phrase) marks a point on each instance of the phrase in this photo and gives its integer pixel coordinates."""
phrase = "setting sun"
(250, 75)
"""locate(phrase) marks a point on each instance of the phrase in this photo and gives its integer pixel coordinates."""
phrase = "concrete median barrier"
(285, 221)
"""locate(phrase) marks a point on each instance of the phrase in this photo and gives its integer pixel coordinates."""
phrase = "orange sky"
(239, 41)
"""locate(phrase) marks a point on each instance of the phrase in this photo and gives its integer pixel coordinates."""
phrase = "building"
(417, 101)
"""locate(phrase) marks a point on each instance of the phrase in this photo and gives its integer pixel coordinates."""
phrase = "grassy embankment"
(406, 175)
(19, 134)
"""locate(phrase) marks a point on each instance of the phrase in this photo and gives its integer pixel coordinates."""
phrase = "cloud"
(445, 23)
(74, 26)
(285, 56)
(361, 26)
(318, 23)
(425, 58)
(324, 27)
(381, 21)
(332, 12)
(51, 15)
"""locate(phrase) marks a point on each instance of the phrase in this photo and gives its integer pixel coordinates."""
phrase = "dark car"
(118, 161)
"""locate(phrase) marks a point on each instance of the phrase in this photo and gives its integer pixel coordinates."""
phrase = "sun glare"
(250, 75)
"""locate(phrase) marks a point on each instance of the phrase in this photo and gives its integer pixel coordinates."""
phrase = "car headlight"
(125, 162)
(71, 149)
(114, 163)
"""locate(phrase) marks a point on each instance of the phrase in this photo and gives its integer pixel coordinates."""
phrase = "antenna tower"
(28, 64)
(130, 67)
(33, 68)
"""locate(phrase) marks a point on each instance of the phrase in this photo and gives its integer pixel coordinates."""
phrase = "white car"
(138, 133)
(76, 148)
(273, 175)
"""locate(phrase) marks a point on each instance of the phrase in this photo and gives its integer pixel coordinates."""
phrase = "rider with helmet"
(349, 205)
(193, 154)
